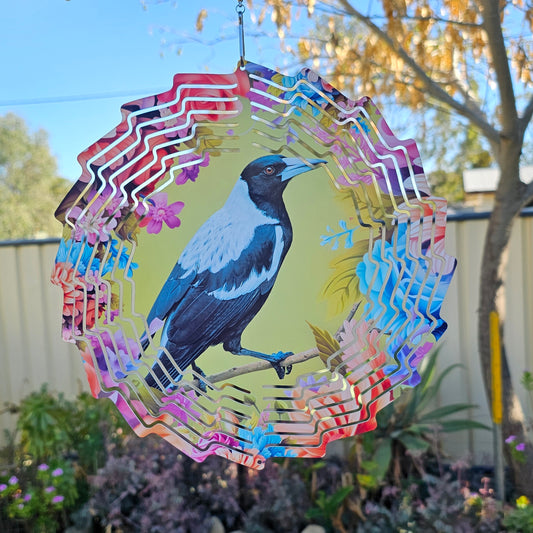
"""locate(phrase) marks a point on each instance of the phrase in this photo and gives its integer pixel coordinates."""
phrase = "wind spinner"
(252, 264)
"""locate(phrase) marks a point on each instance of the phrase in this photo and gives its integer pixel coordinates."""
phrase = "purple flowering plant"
(37, 494)
(517, 448)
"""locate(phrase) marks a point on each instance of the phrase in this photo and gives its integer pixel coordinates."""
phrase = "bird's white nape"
(224, 236)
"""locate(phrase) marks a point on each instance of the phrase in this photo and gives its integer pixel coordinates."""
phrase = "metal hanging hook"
(240, 9)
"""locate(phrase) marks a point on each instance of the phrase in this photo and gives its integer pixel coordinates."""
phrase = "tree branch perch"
(257, 366)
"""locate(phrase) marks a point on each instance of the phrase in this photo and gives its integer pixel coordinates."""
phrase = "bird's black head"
(268, 176)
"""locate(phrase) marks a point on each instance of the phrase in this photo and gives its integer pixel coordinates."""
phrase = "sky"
(60, 58)
(63, 60)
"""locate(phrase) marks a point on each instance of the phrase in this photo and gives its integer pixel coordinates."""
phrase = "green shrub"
(57, 444)
(520, 519)
(38, 496)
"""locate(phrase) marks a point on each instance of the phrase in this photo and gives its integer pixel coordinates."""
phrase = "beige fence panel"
(465, 238)
(32, 351)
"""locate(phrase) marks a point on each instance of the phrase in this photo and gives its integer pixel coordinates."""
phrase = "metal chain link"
(240, 9)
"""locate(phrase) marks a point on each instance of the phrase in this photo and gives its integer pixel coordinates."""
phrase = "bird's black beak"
(297, 166)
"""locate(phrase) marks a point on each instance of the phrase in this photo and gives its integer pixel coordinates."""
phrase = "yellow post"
(497, 401)
(496, 367)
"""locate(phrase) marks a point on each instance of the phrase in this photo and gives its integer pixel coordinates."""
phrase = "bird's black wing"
(220, 304)
(173, 291)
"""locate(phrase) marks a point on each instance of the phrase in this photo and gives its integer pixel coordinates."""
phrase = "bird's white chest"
(224, 236)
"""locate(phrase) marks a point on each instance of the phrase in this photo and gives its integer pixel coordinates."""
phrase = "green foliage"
(410, 425)
(39, 494)
(43, 425)
(527, 380)
(343, 284)
(447, 184)
(520, 519)
(468, 150)
(146, 484)
(327, 345)
(373, 210)
(327, 507)
(44, 472)
(30, 188)
(52, 426)
(527, 383)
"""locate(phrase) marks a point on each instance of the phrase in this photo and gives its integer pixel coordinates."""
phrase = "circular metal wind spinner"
(180, 324)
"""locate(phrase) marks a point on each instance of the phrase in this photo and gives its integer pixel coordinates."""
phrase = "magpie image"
(226, 272)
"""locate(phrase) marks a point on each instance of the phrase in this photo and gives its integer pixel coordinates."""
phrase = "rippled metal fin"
(391, 271)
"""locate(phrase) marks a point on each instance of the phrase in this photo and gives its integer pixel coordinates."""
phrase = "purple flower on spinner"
(329, 138)
(310, 383)
(13, 480)
(349, 107)
(110, 315)
(257, 97)
(49, 489)
(3, 487)
(58, 499)
(120, 353)
(520, 447)
(57, 472)
(159, 211)
(190, 172)
(91, 225)
(92, 281)
(510, 439)
(104, 201)
(43, 467)
(223, 438)
(212, 441)
(180, 405)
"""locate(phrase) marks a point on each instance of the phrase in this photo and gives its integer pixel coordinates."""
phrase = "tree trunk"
(508, 202)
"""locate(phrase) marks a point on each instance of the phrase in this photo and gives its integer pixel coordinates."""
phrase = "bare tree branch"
(432, 19)
(261, 365)
(256, 366)
(500, 63)
(471, 112)
(331, 9)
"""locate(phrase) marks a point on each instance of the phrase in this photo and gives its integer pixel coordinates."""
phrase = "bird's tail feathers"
(158, 378)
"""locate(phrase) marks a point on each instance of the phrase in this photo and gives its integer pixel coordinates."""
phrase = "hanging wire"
(240, 9)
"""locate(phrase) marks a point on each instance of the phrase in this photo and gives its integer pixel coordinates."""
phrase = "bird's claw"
(202, 385)
(277, 359)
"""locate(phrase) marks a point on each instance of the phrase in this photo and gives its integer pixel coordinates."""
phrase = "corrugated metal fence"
(32, 352)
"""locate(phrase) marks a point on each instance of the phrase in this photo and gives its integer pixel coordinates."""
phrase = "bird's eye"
(269, 170)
